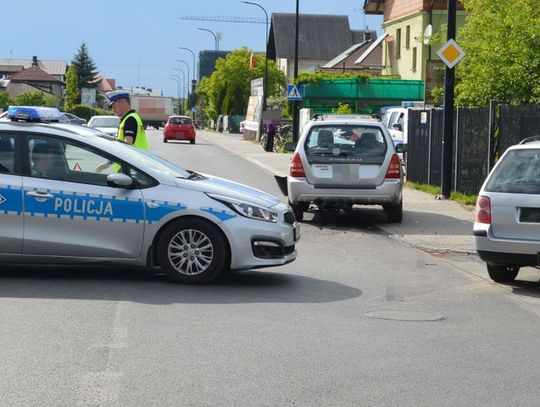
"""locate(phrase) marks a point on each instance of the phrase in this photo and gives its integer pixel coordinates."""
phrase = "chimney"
(34, 61)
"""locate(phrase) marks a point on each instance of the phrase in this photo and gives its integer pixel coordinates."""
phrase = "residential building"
(35, 79)
(55, 68)
(406, 49)
(320, 39)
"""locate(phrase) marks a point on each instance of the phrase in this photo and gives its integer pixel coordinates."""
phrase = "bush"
(86, 112)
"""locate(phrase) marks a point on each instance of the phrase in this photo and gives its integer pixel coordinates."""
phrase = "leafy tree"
(71, 89)
(85, 67)
(502, 42)
(33, 99)
(342, 108)
(227, 90)
(5, 100)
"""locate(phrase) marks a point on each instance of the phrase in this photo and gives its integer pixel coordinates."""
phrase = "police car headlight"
(247, 209)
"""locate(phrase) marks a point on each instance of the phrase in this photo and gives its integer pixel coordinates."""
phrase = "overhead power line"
(221, 19)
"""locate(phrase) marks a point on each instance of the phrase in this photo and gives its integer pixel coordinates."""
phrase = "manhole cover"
(401, 315)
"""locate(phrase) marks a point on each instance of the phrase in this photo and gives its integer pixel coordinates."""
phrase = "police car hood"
(226, 188)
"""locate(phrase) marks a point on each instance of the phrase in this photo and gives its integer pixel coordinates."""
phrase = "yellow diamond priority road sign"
(451, 53)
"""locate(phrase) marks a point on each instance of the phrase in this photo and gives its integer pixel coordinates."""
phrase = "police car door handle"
(39, 196)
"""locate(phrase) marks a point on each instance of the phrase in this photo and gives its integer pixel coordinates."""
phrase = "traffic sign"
(294, 92)
(451, 53)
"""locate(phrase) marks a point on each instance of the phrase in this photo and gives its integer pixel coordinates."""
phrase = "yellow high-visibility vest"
(140, 140)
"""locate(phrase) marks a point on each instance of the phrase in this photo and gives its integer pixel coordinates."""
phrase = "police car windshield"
(145, 160)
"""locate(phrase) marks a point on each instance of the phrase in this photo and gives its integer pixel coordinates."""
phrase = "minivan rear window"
(517, 173)
(352, 141)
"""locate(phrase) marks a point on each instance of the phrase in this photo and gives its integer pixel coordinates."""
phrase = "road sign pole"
(296, 104)
(449, 79)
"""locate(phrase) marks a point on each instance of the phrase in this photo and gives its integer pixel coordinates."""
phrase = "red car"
(179, 128)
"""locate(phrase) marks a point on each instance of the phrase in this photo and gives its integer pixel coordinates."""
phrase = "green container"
(362, 95)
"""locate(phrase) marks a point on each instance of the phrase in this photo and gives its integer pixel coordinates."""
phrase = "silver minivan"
(342, 161)
(507, 223)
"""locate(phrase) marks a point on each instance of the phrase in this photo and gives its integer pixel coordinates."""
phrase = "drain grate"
(403, 315)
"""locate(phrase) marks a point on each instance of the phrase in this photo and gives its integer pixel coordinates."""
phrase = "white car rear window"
(517, 173)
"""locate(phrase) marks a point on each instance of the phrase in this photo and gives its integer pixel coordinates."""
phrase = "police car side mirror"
(119, 180)
(401, 148)
(397, 126)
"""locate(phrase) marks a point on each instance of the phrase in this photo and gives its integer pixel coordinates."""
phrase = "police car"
(71, 195)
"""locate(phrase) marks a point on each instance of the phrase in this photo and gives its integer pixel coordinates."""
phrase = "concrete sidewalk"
(428, 223)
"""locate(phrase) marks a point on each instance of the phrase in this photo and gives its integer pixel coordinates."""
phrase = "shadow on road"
(108, 284)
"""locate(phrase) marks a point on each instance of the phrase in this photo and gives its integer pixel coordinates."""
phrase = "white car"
(342, 161)
(70, 194)
(507, 224)
(106, 124)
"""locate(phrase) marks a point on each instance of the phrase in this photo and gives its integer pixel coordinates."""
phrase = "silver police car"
(507, 224)
(72, 195)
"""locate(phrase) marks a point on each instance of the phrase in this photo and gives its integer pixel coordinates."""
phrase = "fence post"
(491, 135)
(456, 166)
(429, 146)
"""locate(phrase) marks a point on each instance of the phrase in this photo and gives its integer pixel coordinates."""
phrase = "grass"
(459, 197)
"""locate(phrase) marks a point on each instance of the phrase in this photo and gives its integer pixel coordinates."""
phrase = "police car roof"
(47, 127)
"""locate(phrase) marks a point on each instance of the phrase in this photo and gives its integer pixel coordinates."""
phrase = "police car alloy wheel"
(192, 251)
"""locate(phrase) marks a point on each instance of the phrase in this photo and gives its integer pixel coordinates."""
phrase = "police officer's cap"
(116, 95)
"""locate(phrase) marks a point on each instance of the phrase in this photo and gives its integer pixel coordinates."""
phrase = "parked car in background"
(342, 161)
(179, 128)
(106, 124)
(507, 222)
(71, 118)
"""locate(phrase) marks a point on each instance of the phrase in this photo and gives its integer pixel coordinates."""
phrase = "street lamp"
(184, 78)
(296, 105)
(187, 66)
(216, 41)
(194, 66)
(265, 89)
(176, 78)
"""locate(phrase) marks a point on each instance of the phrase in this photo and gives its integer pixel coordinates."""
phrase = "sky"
(136, 41)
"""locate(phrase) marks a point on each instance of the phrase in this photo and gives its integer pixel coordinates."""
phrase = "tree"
(85, 67)
(501, 39)
(227, 90)
(34, 99)
(72, 90)
(5, 100)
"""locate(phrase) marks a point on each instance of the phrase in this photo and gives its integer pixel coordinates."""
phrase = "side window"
(143, 179)
(7, 154)
(58, 159)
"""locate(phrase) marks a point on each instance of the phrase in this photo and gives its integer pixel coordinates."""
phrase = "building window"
(407, 36)
(398, 43)
(414, 59)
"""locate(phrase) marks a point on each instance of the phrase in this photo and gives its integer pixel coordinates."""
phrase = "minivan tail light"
(483, 210)
(296, 169)
(394, 169)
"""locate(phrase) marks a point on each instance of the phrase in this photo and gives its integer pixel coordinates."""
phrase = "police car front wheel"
(192, 251)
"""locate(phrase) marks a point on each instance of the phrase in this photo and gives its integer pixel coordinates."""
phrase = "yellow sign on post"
(451, 53)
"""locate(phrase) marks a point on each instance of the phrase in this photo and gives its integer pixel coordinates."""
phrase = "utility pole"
(295, 104)
(448, 133)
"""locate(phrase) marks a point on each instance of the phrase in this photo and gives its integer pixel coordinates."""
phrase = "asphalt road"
(358, 320)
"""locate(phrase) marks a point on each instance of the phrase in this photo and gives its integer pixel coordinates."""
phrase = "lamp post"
(265, 88)
(216, 41)
(194, 66)
(187, 66)
(176, 78)
(183, 80)
(296, 106)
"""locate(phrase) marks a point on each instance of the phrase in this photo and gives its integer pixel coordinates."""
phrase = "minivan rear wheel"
(394, 213)
(502, 274)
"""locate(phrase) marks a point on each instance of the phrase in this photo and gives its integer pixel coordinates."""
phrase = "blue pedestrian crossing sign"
(294, 92)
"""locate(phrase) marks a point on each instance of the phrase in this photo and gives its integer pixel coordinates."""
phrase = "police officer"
(131, 128)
